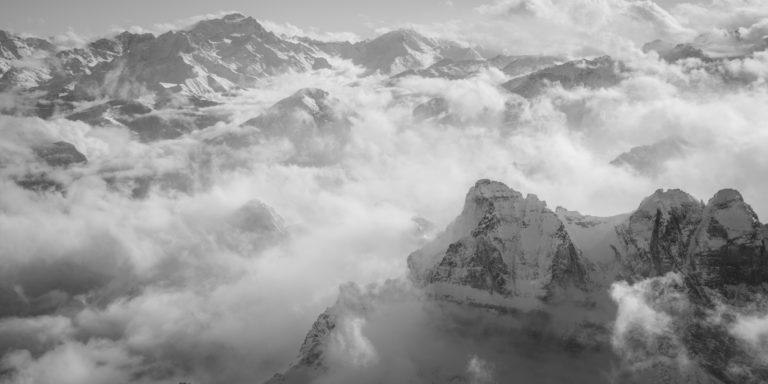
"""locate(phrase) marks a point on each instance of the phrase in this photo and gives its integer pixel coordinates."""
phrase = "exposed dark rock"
(60, 154)
(649, 159)
(601, 72)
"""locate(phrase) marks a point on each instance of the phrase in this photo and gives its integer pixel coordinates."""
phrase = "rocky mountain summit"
(503, 244)
(649, 159)
(509, 255)
(399, 50)
(212, 56)
(600, 72)
(308, 121)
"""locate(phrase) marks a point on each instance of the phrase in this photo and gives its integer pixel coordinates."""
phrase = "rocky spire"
(502, 244)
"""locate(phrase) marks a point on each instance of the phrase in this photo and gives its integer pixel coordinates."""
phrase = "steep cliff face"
(336, 331)
(655, 239)
(213, 56)
(729, 245)
(719, 243)
(501, 244)
(680, 272)
(21, 64)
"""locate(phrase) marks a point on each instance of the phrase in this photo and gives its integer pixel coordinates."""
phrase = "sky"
(92, 18)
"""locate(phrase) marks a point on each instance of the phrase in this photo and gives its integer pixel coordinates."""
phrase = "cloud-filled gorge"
(182, 207)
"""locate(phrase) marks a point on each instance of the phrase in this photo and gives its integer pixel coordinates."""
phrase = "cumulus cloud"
(480, 372)
(70, 39)
(753, 330)
(104, 285)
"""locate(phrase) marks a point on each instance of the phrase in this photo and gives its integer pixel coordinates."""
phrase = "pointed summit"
(502, 244)
(665, 200)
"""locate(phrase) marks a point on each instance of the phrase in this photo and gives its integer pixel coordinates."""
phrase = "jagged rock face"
(213, 56)
(730, 245)
(718, 244)
(649, 159)
(655, 239)
(24, 77)
(243, 43)
(502, 243)
(80, 61)
(396, 51)
(17, 47)
(475, 263)
(596, 73)
(688, 346)
(679, 252)
(352, 303)
(14, 51)
(307, 119)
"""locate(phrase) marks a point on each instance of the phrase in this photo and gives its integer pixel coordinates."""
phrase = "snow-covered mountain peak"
(232, 25)
(502, 247)
(726, 197)
(406, 37)
(728, 220)
(314, 102)
(14, 46)
(665, 200)
(730, 210)
(509, 254)
(489, 189)
(308, 119)
(257, 216)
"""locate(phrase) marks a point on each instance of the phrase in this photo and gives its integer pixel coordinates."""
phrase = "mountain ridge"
(669, 220)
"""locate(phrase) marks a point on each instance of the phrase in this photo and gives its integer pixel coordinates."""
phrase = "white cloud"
(165, 296)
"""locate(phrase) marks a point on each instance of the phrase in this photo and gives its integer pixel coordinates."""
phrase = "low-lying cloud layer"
(101, 285)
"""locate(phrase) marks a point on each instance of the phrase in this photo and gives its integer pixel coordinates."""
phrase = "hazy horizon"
(91, 19)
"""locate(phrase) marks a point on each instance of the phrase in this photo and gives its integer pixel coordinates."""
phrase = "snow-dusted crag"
(502, 244)
(310, 122)
(508, 255)
(213, 56)
(719, 243)
(20, 61)
(405, 49)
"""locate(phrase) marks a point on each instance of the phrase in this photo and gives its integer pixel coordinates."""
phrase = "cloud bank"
(104, 284)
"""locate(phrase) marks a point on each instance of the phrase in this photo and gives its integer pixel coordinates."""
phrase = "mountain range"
(508, 255)
(509, 281)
